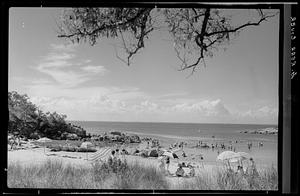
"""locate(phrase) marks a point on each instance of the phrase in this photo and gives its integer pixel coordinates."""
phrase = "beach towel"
(101, 154)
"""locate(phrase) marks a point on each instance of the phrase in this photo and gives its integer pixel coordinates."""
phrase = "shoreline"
(193, 153)
(209, 166)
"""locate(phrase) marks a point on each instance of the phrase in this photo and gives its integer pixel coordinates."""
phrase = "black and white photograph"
(146, 97)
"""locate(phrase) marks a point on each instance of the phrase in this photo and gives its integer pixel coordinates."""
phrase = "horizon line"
(170, 122)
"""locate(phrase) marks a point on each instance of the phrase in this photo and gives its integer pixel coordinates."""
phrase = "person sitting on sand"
(123, 153)
(112, 156)
(183, 154)
(179, 171)
(251, 170)
(168, 163)
(192, 170)
(240, 170)
(162, 166)
(117, 153)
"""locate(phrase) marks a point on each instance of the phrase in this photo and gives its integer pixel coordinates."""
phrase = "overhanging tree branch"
(196, 32)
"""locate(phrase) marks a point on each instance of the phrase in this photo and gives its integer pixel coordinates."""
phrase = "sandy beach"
(193, 156)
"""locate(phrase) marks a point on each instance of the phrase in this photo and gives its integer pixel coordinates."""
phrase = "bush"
(28, 121)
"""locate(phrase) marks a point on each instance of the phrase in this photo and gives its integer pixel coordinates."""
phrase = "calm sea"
(267, 155)
(192, 130)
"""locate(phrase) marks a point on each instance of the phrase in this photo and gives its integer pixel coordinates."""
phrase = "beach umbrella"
(44, 140)
(234, 160)
(239, 157)
(168, 154)
(86, 145)
(243, 155)
(226, 155)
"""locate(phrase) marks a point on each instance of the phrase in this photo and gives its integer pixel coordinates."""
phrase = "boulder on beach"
(134, 139)
(153, 153)
(116, 133)
(204, 146)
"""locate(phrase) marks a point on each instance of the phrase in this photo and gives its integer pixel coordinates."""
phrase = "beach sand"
(207, 165)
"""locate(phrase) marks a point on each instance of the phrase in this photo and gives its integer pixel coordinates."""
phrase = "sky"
(238, 85)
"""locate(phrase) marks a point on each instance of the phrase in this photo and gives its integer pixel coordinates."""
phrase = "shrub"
(28, 121)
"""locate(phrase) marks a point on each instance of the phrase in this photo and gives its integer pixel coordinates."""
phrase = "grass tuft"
(116, 174)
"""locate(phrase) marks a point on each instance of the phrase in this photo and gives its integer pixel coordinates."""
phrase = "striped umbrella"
(100, 154)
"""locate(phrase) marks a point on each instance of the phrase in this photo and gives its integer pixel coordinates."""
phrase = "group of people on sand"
(250, 171)
(180, 171)
(118, 154)
(154, 143)
(164, 168)
(178, 145)
(14, 142)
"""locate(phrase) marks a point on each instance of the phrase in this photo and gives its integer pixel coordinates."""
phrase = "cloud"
(263, 114)
(63, 67)
(131, 104)
(204, 108)
(94, 69)
(63, 47)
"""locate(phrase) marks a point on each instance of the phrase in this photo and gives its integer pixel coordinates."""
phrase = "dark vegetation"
(26, 120)
(29, 122)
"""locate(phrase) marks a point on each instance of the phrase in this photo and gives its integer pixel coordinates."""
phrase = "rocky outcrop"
(117, 137)
(116, 133)
(153, 153)
(265, 131)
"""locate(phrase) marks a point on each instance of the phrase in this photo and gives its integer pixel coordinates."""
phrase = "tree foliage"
(27, 120)
(196, 32)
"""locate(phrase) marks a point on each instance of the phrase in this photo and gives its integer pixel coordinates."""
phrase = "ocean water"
(189, 130)
(210, 133)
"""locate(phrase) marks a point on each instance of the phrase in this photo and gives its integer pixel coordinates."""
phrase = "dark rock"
(116, 133)
(153, 153)
(135, 139)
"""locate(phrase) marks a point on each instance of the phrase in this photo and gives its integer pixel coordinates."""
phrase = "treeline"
(26, 120)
